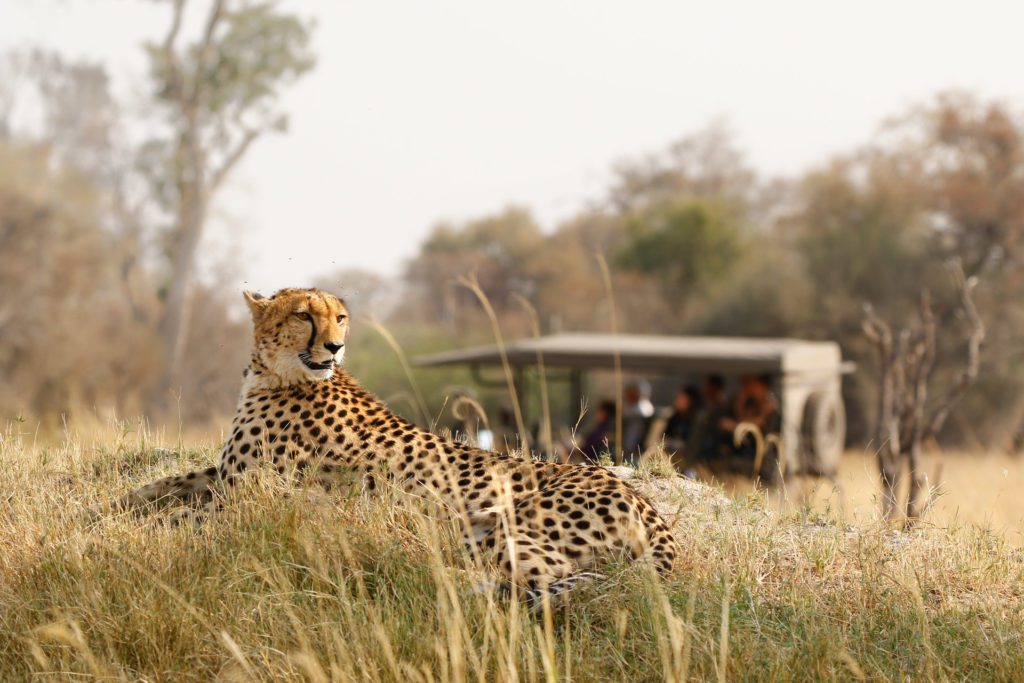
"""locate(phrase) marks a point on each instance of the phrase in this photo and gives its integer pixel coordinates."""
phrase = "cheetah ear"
(257, 302)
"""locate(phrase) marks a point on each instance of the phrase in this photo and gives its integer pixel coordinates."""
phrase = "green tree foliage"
(686, 245)
(497, 248)
(766, 295)
(861, 235)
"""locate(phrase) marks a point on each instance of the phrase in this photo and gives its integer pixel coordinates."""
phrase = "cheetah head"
(299, 333)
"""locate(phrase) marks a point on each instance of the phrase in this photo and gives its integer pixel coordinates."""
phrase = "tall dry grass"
(606, 279)
(311, 586)
(471, 283)
(303, 585)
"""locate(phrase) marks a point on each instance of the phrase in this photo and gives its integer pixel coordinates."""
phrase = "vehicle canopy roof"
(654, 353)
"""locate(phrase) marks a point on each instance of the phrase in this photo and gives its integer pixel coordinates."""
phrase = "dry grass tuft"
(339, 587)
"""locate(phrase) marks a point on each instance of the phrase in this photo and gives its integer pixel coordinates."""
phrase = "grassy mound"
(308, 586)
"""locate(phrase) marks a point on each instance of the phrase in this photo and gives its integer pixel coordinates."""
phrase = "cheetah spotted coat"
(537, 523)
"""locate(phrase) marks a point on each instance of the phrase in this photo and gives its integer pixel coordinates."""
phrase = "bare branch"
(974, 343)
(887, 425)
(206, 47)
(173, 64)
(923, 363)
(898, 365)
(231, 160)
(876, 329)
(906, 367)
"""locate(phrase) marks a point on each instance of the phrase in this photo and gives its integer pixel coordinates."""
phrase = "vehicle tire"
(823, 433)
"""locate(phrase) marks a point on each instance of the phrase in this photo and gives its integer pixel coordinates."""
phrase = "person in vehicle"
(680, 424)
(756, 404)
(598, 438)
(708, 438)
(637, 413)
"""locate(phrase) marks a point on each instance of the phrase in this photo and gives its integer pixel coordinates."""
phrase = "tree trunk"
(917, 497)
(890, 469)
(173, 326)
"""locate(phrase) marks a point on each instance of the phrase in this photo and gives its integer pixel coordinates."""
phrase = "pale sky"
(420, 111)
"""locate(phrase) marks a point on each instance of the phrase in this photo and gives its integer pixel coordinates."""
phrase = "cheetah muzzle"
(307, 360)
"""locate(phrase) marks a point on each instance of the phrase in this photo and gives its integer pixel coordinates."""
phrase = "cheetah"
(541, 526)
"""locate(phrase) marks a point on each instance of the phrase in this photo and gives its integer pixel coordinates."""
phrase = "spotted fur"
(541, 525)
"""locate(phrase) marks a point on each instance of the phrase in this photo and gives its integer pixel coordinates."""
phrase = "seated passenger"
(755, 404)
(680, 424)
(708, 438)
(637, 412)
(601, 432)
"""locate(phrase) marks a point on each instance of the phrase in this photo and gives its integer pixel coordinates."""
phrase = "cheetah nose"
(333, 347)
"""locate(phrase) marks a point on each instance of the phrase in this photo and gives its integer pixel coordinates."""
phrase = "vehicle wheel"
(823, 433)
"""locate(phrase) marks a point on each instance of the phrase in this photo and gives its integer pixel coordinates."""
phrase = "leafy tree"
(705, 165)
(861, 233)
(944, 181)
(768, 296)
(685, 245)
(569, 292)
(499, 248)
(77, 249)
(56, 254)
(80, 122)
(972, 153)
(686, 213)
(219, 94)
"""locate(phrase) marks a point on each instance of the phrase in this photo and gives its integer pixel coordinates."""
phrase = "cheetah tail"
(181, 487)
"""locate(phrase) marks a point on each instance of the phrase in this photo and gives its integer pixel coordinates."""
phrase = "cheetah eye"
(302, 315)
(341, 318)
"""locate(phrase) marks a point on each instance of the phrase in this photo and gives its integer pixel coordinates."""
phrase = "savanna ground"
(975, 489)
(341, 587)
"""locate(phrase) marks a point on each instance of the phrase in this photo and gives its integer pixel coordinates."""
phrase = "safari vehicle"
(807, 376)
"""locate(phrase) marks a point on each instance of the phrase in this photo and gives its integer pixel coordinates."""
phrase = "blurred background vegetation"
(102, 206)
